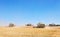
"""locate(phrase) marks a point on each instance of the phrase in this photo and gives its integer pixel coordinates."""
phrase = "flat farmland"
(29, 32)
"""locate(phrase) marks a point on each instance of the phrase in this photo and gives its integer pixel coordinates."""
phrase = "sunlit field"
(29, 32)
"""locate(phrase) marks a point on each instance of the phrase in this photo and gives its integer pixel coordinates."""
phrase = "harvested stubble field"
(29, 32)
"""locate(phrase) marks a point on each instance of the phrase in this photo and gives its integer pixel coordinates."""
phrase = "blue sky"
(21, 12)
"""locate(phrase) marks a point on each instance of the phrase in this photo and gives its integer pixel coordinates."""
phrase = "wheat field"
(29, 32)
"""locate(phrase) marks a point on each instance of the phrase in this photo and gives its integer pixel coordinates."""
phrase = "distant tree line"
(54, 24)
(39, 25)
